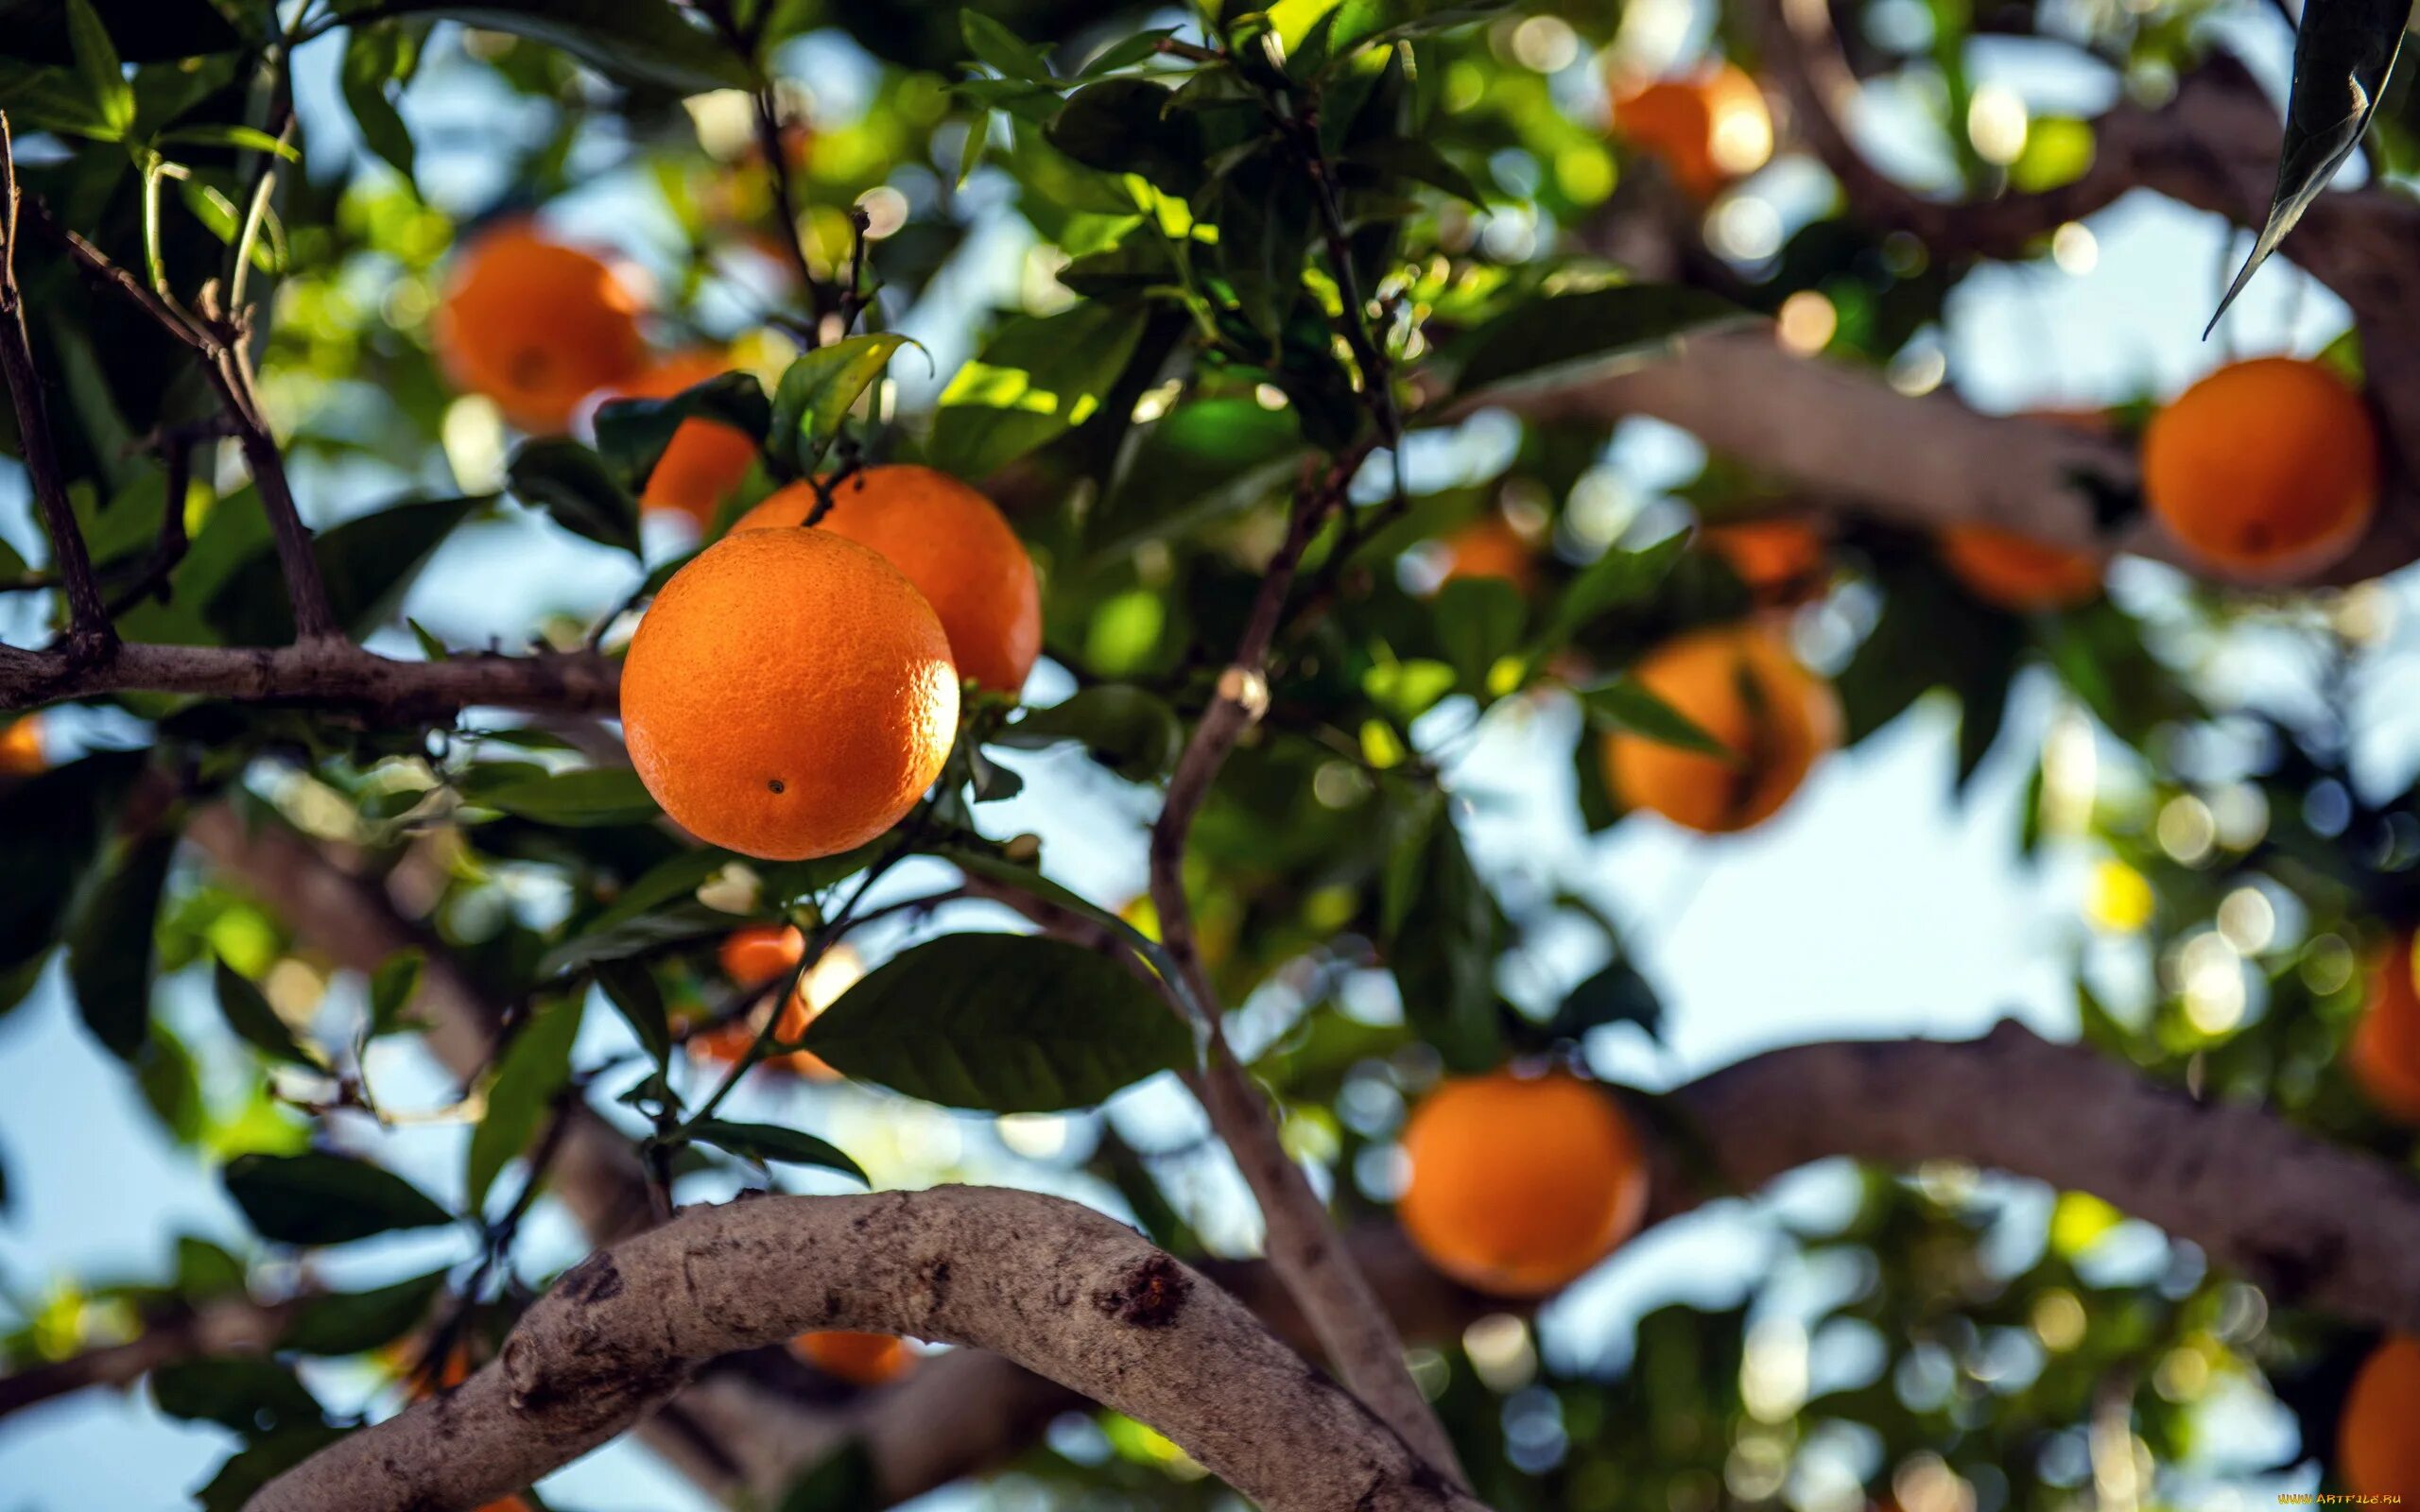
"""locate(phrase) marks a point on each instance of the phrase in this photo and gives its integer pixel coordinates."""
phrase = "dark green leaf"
(534, 1068)
(1131, 731)
(1444, 954)
(648, 41)
(97, 59)
(225, 134)
(247, 1394)
(1404, 157)
(575, 485)
(1618, 578)
(1127, 125)
(584, 795)
(368, 564)
(816, 391)
(631, 434)
(1200, 462)
(630, 988)
(2343, 51)
(1616, 994)
(55, 822)
(1548, 338)
(110, 944)
(391, 987)
(1007, 1023)
(255, 1021)
(318, 1198)
(765, 1142)
(342, 1323)
(1126, 52)
(1000, 48)
(843, 1480)
(374, 59)
(1479, 623)
(1625, 704)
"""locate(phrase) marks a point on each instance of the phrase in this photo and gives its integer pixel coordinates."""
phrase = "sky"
(1876, 904)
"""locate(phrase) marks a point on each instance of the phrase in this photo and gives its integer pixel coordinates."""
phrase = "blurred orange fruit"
(1490, 547)
(2384, 1053)
(952, 544)
(2264, 471)
(1707, 127)
(2018, 574)
(860, 1359)
(757, 954)
(2378, 1437)
(1743, 687)
(706, 459)
(21, 747)
(788, 694)
(535, 326)
(1781, 561)
(1519, 1184)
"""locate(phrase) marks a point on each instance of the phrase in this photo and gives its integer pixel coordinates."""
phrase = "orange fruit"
(952, 544)
(756, 954)
(1519, 1184)
(2378, 1436)
(2265, 470)
(536, 326)
(1708, 128)
(2384, 1053)
(860, 1359)
(788, 694)
(1741, 685)
(1781, 561)
(2018, 574)
(1490, 547)
(706, 459)
(21, 747)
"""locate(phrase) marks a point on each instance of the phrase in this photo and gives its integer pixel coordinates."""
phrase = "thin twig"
(90, 637)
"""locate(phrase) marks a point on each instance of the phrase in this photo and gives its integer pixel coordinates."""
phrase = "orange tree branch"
(324, 673)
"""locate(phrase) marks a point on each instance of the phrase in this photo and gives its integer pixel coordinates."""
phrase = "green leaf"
(581, 797)
(630, 988)
(226, 134)
(1040, 377)
(375, 58)
(1403, 157)
(55, 822)
(645, 41)
(342, 1323)
(1615, 580)
(1131, 730)
(844, 1480)
(575, 485)
(1126, 52)
(535, 1066)
(110, 944)
(1002, 49)
(1380, 22)
(318, 1199)
(2343, 51)
(1199, 463)
(1625, 704)
(1615, 994)
(1007, 1023)
(368, 563)
(255, 1021)
(1444, 955)
(1548, 338)
(767, 1143)
(391, 987)
(816, 393)
(247, 1394)
(97, 59)
(1479, 623)
(631, 434)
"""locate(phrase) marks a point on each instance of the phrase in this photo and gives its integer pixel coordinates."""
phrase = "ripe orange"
(536, 326)
(2018, 574)
(756, 954)
(1490, 547)
(1519, 1184)
(21, 747)
(2378, 1437)
(860, 1359)
(2264, 471)
(706, 459)
(1741, 685)
(2384, 1053)
(788, 694)
(1708, 128)
(1780, 559)
(952, 544)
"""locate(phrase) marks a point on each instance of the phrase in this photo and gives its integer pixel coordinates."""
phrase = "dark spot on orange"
(776, 785)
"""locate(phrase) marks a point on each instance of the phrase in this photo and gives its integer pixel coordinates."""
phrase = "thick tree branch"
(1079, 1298)
(323, 673)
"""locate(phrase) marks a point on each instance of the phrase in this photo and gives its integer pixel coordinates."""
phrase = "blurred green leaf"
(342, 1323)
(578, 487)
(255, 1021)
(646, 40)
(535, 1066)
(318, 1198)
(584, 795)
(1549, 338)
(97, 59)
(630, 988)
(249, 1395)
(110, 944)
(1625, 704)
(767, 1143)
(1131, 731)
(631, 434)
